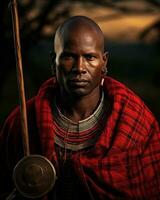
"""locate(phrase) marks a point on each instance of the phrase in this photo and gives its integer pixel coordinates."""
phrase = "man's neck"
(77, 109)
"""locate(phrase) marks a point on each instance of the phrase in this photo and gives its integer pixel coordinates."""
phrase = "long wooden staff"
(44, 168)
(16, 35)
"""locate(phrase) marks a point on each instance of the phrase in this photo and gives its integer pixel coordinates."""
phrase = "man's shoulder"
(133, 119)
(15, 115)
(115, 87)
(47, 87)
(120, 92)
(125, 99)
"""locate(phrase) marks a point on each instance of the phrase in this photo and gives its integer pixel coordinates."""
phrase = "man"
(101, 138)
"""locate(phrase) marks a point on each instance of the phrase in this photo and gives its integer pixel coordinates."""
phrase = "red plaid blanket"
(123, 164)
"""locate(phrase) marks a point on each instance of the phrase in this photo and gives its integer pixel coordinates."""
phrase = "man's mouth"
(78, 82)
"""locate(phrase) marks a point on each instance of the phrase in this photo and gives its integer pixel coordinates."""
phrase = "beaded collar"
(76, 136)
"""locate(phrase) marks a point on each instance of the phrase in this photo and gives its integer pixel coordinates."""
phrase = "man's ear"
(105, 60)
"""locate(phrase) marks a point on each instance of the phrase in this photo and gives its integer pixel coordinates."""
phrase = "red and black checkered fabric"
(124, 163)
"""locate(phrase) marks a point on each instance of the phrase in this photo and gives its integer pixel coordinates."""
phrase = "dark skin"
(80, 63)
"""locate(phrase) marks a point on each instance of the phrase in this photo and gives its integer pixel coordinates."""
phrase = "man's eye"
(90, 57)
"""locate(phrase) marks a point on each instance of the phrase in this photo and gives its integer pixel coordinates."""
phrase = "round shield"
(34, 176)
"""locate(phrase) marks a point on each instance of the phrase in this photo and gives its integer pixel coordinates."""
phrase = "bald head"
(78, 25)
(80, 60)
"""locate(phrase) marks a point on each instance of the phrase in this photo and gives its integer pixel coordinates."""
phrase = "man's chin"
(78, 92)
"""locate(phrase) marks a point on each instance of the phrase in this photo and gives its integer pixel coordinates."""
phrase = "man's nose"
(79, 65)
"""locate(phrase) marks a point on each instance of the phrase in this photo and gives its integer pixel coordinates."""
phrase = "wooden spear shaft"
(19, 69)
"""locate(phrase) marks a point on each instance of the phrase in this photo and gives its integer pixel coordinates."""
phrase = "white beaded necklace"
(76, 136)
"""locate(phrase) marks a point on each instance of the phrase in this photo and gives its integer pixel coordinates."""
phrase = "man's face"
(79, 62)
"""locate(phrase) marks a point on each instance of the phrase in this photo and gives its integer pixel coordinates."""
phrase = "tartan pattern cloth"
(123, 164)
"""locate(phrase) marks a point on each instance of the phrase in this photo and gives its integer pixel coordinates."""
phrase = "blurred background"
(131, 29)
